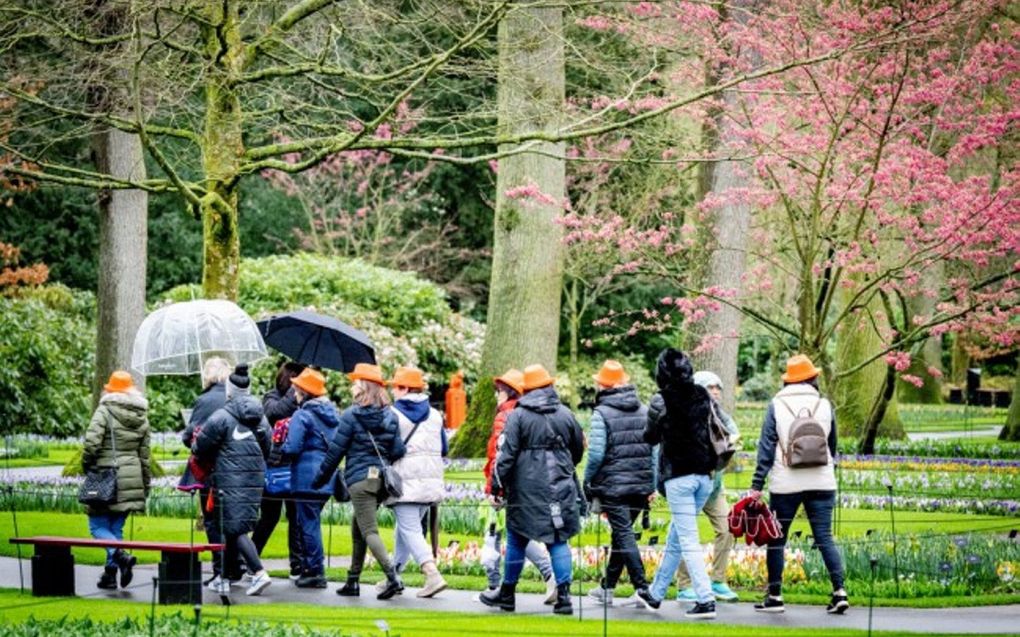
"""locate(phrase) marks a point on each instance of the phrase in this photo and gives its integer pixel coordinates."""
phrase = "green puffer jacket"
(125, 415)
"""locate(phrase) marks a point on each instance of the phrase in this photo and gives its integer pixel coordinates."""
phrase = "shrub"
(47, 338)
(759, 387)
(406, 317)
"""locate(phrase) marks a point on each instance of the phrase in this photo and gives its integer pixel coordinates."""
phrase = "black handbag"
(392, 483)
(99, 489)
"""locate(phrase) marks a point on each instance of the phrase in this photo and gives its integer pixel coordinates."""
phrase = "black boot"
(351, 588)
(393, 585)
(108, 580)
(503, 597)
(563, 605)
(125, 562)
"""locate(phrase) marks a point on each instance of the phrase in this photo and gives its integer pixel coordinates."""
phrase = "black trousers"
(269, 517)
(622, 514)
(214, 536)
(239, 548)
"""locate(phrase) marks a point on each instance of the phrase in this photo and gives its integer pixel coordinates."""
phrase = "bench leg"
(180, 579)
(53, 571)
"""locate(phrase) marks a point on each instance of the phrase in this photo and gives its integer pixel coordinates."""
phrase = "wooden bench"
(180, 572)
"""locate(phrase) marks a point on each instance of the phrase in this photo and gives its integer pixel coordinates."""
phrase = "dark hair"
(811, 381)
(288, 370)
(673, 368)
(507, 389)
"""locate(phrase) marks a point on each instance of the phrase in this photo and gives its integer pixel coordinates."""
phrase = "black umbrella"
(314, 339)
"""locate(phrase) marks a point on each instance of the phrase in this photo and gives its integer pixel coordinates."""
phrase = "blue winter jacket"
(352, 441)
(311, 428)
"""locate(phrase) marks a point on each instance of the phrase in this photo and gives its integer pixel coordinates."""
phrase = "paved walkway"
(985, 620)
(982, 431)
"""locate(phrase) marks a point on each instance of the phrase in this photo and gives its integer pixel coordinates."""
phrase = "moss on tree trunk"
(1012, 429)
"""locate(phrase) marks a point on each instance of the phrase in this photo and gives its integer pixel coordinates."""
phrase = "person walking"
(716, 508)
(118, 438)
(678, 421)
(214, 395)
(279, 405)
(310, 429)
(235, 442)
(421, 472)
(368, 436)
(618, 479)
(535, 472)
(509, 388)
(800, 425)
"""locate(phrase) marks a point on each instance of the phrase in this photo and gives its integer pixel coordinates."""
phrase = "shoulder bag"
(99, 489)
(393, 485)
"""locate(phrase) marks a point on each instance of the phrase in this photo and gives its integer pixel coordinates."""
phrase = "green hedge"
(47, 345)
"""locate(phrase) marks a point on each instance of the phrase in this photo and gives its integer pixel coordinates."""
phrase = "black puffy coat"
(352, 442)
(542, 444)
(626, 469)
(208, 403)
(678, 419)
(236, 440)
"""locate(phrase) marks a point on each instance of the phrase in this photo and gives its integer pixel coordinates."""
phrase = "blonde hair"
(368, 394)
(215, 370)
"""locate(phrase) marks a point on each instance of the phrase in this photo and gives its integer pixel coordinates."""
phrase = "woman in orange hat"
(792, 423)
(310, 429)
(509, 388)
(619, 473)
(535, 472)
(118, 438)
(368, 436)
(421, 471)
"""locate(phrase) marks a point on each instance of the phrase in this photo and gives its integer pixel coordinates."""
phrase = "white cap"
(707, 379)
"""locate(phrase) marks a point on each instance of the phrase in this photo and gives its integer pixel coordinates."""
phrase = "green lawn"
(17, 607)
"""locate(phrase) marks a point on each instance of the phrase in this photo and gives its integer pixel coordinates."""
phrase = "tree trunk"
(930, 354)
(222, 148)
(524, 292)
(1012, 429)
(727, 233)
(960, 360)
(862, 394)
(123, 223)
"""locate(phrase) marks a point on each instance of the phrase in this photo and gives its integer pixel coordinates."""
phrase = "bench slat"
(166, 547)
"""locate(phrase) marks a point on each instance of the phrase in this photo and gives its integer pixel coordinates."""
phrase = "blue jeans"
(108, 526)
(516, 553)
(686, 497)
(818, 505)
(309, 512)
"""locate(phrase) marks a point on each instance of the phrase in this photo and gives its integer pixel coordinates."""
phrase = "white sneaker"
(221, 587)
(601, 596)
(259, 582)
(550, 590)
(214, 583)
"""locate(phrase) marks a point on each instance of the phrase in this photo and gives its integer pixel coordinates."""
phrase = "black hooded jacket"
(678, 419)
(236, 439)
(542, 443)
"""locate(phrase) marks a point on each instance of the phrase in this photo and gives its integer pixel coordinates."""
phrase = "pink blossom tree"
(864, 180)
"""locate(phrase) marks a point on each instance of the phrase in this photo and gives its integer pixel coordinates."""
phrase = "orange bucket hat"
(611, 374)
(536, 377)
(310, 382)
(119, 381)
(367, 372)
(512, 378)
(799, 368)
(410, 377)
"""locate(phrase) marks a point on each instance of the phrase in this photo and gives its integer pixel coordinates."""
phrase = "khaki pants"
(717, 511)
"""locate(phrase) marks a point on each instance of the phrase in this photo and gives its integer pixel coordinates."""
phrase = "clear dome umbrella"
(179, 338)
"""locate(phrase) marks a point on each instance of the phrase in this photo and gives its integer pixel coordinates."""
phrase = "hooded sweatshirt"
(120, 421)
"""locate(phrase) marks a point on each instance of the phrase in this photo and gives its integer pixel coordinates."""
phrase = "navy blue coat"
(311, 428)
(353, 442)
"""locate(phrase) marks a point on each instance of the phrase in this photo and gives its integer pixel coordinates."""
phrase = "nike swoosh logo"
(241, 436)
